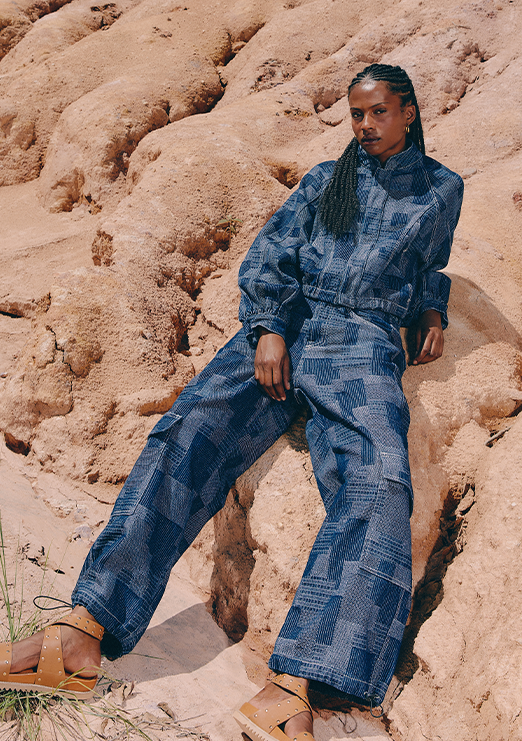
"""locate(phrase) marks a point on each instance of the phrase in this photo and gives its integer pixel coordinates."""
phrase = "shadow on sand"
(180, 645)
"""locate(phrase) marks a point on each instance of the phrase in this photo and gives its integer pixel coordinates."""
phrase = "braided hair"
(339, 205)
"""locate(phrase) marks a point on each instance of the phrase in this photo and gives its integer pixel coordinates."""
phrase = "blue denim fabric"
(389, 261)
(346, 622)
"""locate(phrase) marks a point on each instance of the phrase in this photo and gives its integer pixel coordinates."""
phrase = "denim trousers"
(345, 625)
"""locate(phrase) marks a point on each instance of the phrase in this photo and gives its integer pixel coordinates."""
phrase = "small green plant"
(32, 716)
(229, 224)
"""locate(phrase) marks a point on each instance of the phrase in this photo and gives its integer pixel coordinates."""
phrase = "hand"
(430, 338)
(272, 365)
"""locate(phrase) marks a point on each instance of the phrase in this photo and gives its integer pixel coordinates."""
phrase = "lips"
(370, 139)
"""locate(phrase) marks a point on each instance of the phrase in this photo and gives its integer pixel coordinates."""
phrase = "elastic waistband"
(376, 316)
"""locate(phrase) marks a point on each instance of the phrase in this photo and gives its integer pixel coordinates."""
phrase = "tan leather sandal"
(263, 725)
(50, 677)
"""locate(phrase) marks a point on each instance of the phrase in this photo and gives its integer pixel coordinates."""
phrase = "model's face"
(378, 119)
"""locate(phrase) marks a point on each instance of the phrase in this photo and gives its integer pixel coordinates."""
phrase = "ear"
(411, 114)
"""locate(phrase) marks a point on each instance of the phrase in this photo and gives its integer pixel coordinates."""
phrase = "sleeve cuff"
(439, 306)
(267, 321)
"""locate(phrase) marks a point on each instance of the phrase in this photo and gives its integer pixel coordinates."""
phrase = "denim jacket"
(389, 260)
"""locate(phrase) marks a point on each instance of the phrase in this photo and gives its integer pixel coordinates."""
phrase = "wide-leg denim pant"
(347, 619)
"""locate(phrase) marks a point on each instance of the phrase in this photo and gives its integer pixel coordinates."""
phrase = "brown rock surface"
(143, 144)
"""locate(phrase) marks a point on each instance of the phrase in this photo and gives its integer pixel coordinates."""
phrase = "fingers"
(286, 372)
(272, 383)
(432, 348)
(418, 341)
(272, 366)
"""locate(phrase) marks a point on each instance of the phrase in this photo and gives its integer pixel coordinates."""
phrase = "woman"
(350, 257)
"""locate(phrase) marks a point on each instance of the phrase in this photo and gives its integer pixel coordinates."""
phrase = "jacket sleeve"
(433, 287)
(269, 277)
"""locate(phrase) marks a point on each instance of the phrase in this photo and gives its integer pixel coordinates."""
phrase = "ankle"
(83, 612)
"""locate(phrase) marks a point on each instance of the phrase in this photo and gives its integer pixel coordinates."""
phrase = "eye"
(380, 110)
(356, 114)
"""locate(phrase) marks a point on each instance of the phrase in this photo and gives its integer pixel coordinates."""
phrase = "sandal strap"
(293, 685)
(91, 627)
(6, 655)
(278, 713)
(50, 671)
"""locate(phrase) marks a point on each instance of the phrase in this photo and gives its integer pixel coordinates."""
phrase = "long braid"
(339, 204)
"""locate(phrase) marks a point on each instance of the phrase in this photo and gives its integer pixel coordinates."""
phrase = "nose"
(366, 121)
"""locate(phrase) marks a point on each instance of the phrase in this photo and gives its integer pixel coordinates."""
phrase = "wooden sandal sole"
(87, 694)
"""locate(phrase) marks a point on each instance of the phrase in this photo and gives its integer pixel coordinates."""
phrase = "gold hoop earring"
(407, 129)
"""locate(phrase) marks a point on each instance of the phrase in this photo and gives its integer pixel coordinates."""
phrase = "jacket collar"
(408, 159)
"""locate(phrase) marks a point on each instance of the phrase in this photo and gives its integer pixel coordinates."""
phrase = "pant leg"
(346, 622)
(219, 425)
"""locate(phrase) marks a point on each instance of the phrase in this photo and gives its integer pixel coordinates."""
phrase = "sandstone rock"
(337, 113)
(291, 40)
(15, 25)
(71, 72)
(93, 141)
(248, 563)
(43, 389)
(119, 307)
(277, 544)
(62, 368)
(62, 28)
(480, 141)
(16, 19)
(457, 644)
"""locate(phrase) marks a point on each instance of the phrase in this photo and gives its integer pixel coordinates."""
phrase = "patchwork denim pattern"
(389, 261)
(339, 304)
(346, 622)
